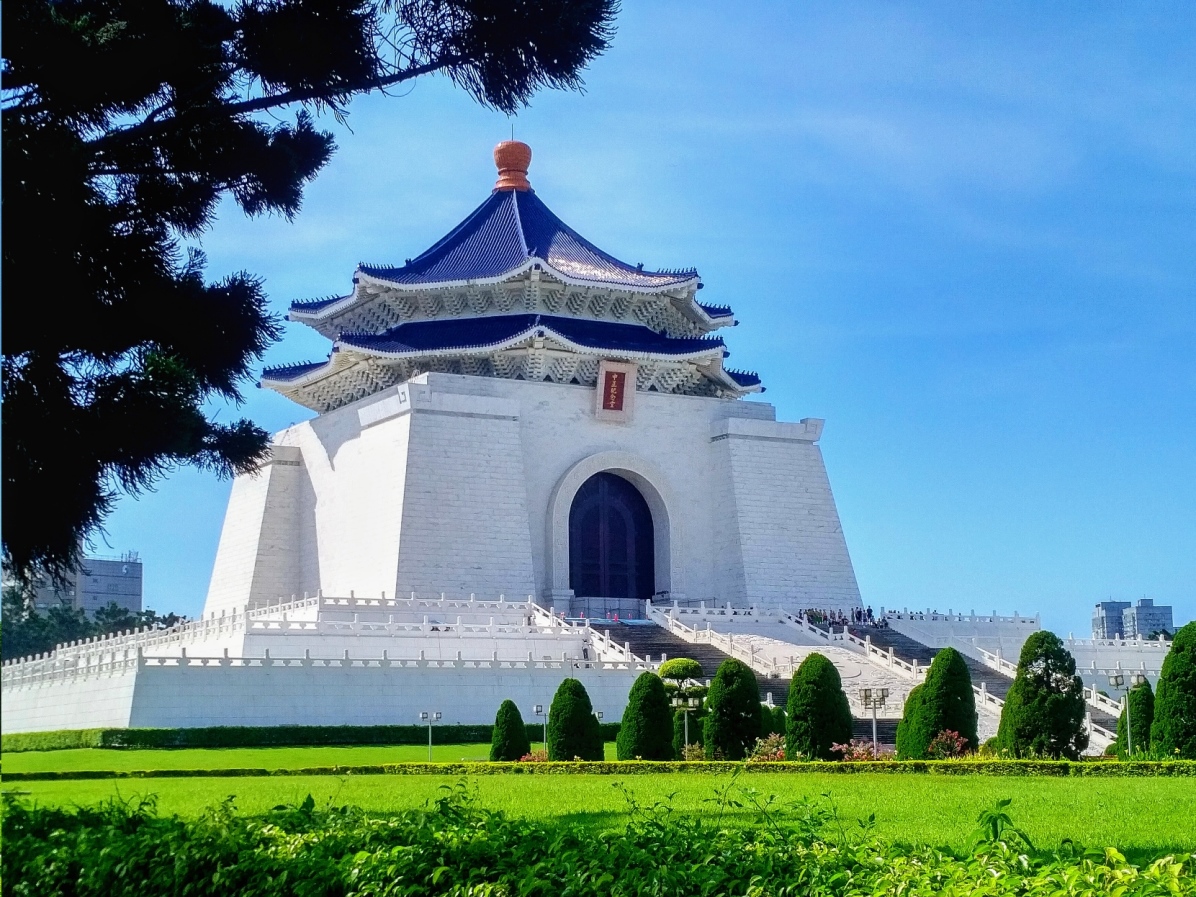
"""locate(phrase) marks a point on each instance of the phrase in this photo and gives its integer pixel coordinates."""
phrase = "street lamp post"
(687, 703)
(540, 712)
(1117, 680)
(873, 699)
(430, 717)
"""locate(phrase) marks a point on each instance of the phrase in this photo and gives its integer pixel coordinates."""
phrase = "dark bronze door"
(611, 548)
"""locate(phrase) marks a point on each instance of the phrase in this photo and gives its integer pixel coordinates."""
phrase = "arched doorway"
(612, 552)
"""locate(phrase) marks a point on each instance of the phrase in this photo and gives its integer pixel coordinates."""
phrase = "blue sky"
(964, 234)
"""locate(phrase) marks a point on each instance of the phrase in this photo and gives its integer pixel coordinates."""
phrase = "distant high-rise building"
(1144, 619)
(1107, 619)
(97, 583)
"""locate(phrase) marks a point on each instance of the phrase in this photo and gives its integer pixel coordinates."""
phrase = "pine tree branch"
(152, 125)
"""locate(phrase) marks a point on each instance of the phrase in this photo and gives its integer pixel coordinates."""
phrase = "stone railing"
(129, 661)
(930, 616)
(264, 617)
(605, 647)
(1100, 702)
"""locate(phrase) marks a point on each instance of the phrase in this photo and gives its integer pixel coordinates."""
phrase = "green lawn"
(1143, 816)
(257, 758)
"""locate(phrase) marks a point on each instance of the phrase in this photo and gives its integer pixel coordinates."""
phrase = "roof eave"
(714, 352)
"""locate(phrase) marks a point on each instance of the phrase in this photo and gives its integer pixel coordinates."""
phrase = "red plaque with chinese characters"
(615, 391)
(614, 384)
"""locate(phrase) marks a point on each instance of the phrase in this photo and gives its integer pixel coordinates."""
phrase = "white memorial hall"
(520, 443)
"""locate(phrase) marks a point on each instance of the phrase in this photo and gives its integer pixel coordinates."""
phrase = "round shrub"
(680, 669)
(1173, 732)
(818, 713)
(573, 730)
(646, 732)
(945, 702)
(509, 739)
(732, 722)
(1141, 705)
(1044, 712)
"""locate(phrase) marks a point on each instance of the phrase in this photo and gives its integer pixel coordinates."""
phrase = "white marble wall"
(463, 483)
(277, 693)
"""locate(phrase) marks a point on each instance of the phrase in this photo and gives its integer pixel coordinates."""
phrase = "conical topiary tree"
(732, 722)
(1044, 712)
(945, 701)
(573, 730)
(1173, 732)
(509, 740)
(911, 718)
(818, 713)
(646, 732)
(1141, 706)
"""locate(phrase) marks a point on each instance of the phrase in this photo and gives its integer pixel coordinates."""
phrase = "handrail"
(129, 661)
(240, 620)
(1101, 702)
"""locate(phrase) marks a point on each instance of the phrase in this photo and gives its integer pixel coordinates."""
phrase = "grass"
(1144, 817)
(231, 758)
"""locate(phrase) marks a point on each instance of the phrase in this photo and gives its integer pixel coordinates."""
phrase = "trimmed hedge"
(732, 722)
(509, 741)
(573, 729)
(647, 730)
(1039, 768)
(1173, 732)
(943, 702)
(261, 736)
(817, 715)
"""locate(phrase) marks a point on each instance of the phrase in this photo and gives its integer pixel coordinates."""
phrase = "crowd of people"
(858, 616)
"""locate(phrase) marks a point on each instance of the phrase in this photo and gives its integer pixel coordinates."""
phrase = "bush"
(856, 751)
(1173, 733)
(573, 731)
(509, 740)
(943, 702)
(947, 745)
(860, 749)
(732, 722)
(457, 847)
(1140, 701)
(818, 713)
(768, 749)
(1044, 713)
(680, 669)
(647, 729)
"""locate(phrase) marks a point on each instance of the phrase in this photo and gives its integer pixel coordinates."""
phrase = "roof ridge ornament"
(513, 158)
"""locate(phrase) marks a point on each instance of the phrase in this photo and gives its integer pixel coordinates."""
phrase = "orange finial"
(512, 158)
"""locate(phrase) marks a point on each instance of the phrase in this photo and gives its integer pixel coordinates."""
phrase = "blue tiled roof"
(507, 230)
(716, 311)
(316, 304)
(474, 333)
(284, 372)
(743, 378)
